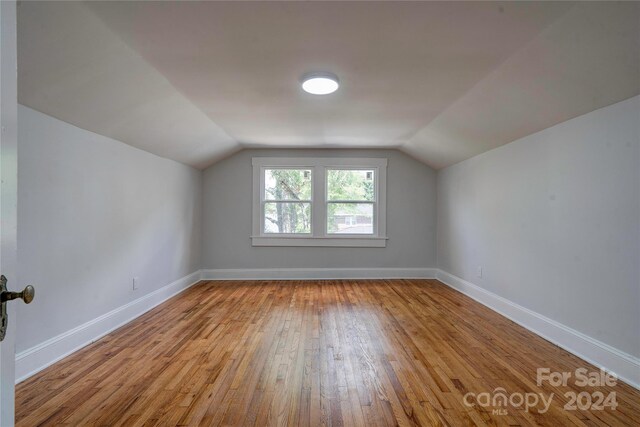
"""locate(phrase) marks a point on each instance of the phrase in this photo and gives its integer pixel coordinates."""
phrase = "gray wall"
(554, 221)
(411, 217)
(93, 213)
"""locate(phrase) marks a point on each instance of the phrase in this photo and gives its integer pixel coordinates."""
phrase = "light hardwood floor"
(340, 352)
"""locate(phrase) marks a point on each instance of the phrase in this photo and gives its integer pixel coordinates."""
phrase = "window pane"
(350, 184)
(286, 217)
(287, 184)
(350, 218)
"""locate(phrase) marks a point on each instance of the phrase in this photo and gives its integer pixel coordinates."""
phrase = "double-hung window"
(319, 202)
(286, 202)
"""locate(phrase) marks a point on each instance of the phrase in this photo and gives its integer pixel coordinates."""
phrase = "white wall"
(93, 213)
(411, 217)
(554, 221)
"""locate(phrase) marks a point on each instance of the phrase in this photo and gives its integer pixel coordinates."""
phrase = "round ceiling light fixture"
(320, 83)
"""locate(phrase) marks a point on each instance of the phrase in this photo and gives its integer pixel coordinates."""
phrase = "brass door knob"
(27, 295)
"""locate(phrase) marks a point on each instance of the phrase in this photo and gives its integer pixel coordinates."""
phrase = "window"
(319, 202)
(350, 201)
(287, 201)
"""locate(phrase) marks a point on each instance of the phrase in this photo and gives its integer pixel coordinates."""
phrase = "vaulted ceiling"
(442, 81)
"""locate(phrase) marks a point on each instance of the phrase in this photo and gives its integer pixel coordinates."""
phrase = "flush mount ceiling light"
(320, 83)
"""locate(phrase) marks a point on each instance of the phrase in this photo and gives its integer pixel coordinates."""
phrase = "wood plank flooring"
(297, 353)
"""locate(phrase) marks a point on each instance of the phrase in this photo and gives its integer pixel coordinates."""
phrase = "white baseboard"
(35, 359)
(318, 273)
(624, 365)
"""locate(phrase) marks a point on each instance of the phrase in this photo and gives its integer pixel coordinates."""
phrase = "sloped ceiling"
(195, 81)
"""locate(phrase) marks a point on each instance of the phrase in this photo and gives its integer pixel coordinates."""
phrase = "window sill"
(344, 242)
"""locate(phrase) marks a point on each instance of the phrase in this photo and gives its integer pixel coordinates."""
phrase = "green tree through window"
(319, 201)
(287, 201)
(350, 201)
(350, 197)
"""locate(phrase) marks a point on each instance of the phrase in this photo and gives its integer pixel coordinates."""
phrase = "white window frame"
(319, 202)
